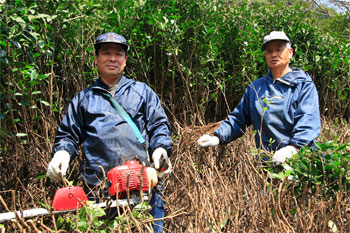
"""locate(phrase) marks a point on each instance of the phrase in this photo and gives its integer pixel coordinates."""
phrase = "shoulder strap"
(120, 110)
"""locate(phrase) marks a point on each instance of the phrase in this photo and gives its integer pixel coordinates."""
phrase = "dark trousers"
(157, 210)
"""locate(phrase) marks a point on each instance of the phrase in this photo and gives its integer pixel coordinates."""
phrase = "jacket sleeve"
(236, 123)
(69, 133)
(307, 116)
(157, 123)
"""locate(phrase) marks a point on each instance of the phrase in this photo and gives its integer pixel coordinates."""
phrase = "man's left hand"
(284, 153)
(161, 162)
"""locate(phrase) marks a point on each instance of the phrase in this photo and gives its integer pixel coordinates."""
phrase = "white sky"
(326, 2)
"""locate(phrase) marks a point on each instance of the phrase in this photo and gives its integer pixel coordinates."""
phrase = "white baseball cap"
(275, 35)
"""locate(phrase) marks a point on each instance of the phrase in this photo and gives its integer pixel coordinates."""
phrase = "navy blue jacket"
(106, 138)
(282, 112)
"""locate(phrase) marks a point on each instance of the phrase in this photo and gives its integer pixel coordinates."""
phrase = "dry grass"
(221, 189)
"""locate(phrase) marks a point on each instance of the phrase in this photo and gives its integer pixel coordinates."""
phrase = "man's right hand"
(207, 140)
(284, 153)
(58, 165)
(161, 161)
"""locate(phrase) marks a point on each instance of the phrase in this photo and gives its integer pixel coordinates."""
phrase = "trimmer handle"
(163, 164)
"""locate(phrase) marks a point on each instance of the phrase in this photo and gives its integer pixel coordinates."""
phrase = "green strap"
(120, 110)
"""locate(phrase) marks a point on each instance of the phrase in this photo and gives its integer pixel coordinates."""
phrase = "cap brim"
(264, 45)
(98, 45)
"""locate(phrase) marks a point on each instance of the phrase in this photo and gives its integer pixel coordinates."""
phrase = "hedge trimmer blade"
(42, 211)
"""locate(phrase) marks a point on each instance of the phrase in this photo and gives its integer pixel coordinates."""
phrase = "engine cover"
(127, 177)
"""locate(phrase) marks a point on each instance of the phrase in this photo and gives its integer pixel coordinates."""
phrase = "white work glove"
(58, 164)
(161, 162)
(284, 153)
(207, 140)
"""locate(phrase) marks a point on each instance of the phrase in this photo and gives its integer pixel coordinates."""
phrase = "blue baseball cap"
(111, 37)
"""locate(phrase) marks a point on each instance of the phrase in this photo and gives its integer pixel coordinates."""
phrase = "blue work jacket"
(282, 112)
(107, 139)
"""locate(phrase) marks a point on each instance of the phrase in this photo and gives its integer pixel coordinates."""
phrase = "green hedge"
(199, 56)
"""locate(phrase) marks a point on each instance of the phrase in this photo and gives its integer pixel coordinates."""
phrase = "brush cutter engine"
(131, 176)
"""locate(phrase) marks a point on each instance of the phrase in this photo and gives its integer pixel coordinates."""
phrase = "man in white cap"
(282, 106)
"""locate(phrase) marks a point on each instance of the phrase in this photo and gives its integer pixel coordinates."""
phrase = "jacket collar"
(124, 83)
(292, 78)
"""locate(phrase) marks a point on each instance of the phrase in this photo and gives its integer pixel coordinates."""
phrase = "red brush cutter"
(130, 177)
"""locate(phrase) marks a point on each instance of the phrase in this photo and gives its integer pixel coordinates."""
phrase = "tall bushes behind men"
(198, 55)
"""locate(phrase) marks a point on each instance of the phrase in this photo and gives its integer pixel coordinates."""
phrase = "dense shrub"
(199, 56)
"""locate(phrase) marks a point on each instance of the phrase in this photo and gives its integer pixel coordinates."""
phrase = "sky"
(331, 5)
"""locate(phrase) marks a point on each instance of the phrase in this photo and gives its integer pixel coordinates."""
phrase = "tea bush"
(324, 168)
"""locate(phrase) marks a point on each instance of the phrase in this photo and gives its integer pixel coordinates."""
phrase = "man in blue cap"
(282, 106)
(107, 139)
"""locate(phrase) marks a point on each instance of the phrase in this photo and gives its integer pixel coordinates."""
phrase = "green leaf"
(337, 163)
(2, 53)
(17, 19)
(343, 147)
(41, 43)
(42, 16)
(18, 45)
(33, 75)
(44, 102)
(21, 135)
(142, 206)
(31, 17)
(40, 175)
